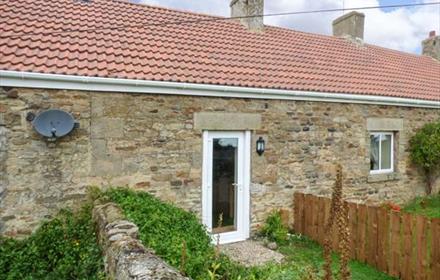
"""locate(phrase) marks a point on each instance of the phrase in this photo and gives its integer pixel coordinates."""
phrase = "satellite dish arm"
(53, 131)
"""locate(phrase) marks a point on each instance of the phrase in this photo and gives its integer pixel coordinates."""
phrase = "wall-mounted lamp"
(261, 146)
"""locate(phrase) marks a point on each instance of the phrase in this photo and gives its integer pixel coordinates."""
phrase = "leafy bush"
(274, 229)
(165, 228)
(425, 152)
(63, 248)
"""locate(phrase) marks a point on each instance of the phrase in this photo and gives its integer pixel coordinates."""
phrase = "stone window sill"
(375, 178)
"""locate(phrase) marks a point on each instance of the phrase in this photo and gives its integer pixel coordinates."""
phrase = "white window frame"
(380, 170)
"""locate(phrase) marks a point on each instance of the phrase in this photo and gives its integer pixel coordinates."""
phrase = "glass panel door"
(224, 184)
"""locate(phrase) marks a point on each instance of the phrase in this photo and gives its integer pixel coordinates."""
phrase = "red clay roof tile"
(76, 38)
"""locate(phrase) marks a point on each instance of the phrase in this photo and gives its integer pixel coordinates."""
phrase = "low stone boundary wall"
(124, 255)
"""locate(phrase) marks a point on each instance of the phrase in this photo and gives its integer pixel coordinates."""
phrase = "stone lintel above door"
(226, 121)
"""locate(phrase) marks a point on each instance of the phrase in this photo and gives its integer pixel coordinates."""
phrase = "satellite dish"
(54, 123)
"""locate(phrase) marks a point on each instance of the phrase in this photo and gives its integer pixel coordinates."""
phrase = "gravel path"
(250, 253)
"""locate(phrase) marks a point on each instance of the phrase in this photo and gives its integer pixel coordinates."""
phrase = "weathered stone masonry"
(149, 142)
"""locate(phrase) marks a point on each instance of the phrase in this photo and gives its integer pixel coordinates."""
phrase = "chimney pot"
(431, 46)
(351, 25)
(251, 12)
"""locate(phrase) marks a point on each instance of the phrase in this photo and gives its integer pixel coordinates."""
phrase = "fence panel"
(362, 233)
(435, 248)
(321, 219)
(372, 236)
(383, 235)
(395, 244)
(408, 246)
(353, 224)
(421, 248)
(307, 215)
(298, 212)
(314, 218)
(400, 244)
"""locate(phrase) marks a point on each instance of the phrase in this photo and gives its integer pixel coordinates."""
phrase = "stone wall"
(149, 142)
(125, 258)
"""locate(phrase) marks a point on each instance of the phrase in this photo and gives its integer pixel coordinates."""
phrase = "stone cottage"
(217, 115)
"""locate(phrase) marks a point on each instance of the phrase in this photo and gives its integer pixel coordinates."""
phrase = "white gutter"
(54, 81)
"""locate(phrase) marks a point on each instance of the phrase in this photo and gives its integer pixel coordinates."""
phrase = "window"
(381, 153)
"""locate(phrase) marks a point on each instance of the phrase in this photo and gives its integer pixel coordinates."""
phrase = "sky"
(397, 28)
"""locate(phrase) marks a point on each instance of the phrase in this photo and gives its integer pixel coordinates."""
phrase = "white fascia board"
(70, 82)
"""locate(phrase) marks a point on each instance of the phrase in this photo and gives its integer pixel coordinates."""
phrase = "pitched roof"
(212, 51)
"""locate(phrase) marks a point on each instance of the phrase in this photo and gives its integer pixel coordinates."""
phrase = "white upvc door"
(226, 179)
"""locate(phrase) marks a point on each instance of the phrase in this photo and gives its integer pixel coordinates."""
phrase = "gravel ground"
(250, 253)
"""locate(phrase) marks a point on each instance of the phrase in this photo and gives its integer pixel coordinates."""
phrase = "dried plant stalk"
(183, 258)
(338, 214)
(344, 241)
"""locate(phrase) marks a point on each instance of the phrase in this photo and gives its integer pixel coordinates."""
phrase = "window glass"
(381, 152)
(386, 152)
(374, 151)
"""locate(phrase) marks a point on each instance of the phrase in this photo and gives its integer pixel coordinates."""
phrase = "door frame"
(243, 195)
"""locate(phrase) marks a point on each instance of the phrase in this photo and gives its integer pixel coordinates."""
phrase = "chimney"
(349, 25)
(249, 10)
(431, 46)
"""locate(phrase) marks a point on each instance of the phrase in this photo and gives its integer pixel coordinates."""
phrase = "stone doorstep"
(251, 253)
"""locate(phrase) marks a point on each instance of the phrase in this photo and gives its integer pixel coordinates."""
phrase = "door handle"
(237, 186)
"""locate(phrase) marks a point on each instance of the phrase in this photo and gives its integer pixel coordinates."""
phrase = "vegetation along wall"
(150, 143)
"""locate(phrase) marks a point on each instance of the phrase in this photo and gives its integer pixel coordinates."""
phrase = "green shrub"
(273, 229)
(164, 228)
(425, 152)
(63, 248)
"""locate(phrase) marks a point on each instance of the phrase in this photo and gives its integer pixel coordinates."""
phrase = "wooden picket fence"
(400, 244)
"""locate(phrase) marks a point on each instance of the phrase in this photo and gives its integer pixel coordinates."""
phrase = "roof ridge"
(327, 36)
(399, 52)
(168, 9)
(345, 40)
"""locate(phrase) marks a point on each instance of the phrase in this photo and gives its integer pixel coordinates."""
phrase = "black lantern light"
(261, 145)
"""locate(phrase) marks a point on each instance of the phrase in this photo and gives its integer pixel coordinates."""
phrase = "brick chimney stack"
(350, 25)
(431, 46)
(249, 9)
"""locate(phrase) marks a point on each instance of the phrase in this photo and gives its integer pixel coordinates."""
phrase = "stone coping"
(125, 257)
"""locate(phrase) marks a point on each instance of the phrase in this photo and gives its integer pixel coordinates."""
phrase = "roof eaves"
(70, 82)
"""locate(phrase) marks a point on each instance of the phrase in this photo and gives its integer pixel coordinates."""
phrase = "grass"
(63, 248)
(304, 252)
(164, 228)
(428, 206)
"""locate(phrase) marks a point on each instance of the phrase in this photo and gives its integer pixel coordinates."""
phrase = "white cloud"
(398, 28)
